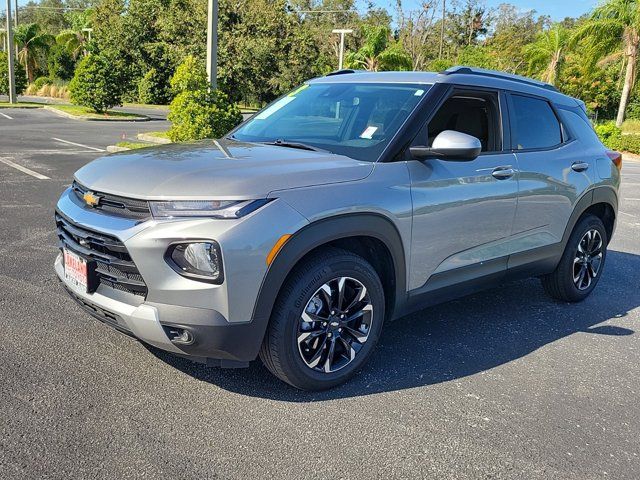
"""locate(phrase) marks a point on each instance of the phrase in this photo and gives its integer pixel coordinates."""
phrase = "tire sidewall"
(588, 223)
(297, 301)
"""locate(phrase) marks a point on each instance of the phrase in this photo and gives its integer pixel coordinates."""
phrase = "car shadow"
(457, 339)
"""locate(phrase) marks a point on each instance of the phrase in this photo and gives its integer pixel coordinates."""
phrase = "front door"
(463, 211)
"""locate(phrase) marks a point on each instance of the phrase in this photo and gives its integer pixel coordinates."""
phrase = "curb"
(116, 149)
(89, 119)
(145, 137)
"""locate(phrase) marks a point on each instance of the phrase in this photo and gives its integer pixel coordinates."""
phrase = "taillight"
(616, 158)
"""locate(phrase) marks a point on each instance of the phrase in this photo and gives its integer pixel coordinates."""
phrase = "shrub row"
(614, 139)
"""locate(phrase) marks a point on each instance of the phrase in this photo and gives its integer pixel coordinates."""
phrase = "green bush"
(61, 63)
(41, 82)
(190, 76)
(20, 76)
(96, 84)
(628, 143)
(201, 114)
(152, 88)
(609, 134)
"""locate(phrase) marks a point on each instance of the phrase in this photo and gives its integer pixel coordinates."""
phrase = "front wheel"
(326, 321)
(582, 262)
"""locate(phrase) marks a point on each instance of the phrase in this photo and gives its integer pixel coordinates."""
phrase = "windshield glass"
(353, 119)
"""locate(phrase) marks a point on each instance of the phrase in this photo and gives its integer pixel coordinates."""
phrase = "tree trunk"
(631, 51)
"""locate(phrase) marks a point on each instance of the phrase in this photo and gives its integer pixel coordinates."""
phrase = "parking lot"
(502, 384)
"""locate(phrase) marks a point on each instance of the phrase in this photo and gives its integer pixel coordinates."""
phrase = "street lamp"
(88, 30)
(342, 32)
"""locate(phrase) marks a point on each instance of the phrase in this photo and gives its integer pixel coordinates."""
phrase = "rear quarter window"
(534, 124)
(579, 127)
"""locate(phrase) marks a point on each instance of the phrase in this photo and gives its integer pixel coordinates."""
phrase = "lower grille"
(101, 314)
(114, 266)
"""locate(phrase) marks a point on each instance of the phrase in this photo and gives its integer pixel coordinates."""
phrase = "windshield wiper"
(302, 146)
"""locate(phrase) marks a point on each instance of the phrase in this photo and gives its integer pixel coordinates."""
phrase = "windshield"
(353, 119)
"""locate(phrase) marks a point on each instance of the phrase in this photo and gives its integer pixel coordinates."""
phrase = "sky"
(557, 9)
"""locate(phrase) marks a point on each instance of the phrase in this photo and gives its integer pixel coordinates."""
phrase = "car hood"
(210, 169)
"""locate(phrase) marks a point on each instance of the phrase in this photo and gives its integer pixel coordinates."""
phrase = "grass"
(132, 145)
(85, 112)
(159, 134)
(21, 105)
(631, 127)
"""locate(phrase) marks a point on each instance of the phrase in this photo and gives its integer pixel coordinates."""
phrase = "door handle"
(502, 173)
(579, 166)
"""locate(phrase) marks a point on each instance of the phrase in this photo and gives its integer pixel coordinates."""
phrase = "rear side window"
(534, 125)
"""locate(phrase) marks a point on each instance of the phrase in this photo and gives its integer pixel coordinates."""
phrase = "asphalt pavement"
(502, 384)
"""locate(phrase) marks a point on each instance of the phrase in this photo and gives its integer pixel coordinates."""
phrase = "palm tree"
(32, 45)
(73, 41)
(378, 52)
(614, 30)
(547, 52)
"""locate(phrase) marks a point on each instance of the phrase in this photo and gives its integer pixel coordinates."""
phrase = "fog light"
(197, 260)
(178, 335)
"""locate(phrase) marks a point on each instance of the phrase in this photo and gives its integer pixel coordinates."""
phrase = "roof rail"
(495, 74)
(341, 72)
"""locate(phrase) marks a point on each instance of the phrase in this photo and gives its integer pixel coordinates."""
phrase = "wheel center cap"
(335, 324)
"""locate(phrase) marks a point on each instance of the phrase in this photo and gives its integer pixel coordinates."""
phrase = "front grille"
(114, 266)
(114, 204)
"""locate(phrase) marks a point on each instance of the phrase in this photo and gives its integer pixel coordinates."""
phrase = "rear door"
(555, 171)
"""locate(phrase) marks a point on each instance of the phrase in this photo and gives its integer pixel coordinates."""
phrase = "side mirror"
(449, 145)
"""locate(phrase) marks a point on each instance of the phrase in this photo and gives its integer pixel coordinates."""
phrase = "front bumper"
(219, 317)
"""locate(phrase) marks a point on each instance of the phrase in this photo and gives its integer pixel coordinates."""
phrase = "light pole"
(12, 78)
(212, 43)
(342, 32)
(88, 31)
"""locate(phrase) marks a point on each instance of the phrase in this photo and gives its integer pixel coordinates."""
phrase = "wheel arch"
(369, 235)
(600, 201)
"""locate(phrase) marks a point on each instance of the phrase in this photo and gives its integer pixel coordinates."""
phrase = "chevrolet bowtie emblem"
(91, 199)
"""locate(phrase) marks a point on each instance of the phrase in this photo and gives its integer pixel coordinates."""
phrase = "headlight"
(197, 260)
(205, 208)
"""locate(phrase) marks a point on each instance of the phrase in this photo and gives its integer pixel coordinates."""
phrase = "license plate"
(76, 271)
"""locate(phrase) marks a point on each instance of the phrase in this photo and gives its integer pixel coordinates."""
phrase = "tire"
(303, 310)
(562, 284)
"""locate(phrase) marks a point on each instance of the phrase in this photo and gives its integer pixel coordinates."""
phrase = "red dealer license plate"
(76, 271)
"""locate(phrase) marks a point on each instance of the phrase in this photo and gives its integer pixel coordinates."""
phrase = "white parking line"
(37, 175)
(78, 144)
(6, 116)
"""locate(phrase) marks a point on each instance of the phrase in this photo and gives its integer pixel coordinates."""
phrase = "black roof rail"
(344, 71)
(495, 74)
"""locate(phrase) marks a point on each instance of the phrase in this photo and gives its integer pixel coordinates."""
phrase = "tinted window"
(476, 116)
(579, 126)
(534, 123)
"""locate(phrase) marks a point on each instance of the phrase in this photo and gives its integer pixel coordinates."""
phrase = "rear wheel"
(582, 262)
(326, 321)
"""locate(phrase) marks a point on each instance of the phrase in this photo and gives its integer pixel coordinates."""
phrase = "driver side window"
(473, 113)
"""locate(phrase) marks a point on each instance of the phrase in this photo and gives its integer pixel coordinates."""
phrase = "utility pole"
(444, 12)
(12, 78)
(342, 32)
(212, 43)
(16, 24)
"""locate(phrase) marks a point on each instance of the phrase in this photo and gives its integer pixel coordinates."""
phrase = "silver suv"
(353, 200)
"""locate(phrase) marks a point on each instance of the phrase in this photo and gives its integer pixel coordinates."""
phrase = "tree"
(196, 112)
(614, 29)
(379, 52)
(19, 75)
(33, 46)
(96, 83)
(547, 52)
(73, 41)
(60, 63)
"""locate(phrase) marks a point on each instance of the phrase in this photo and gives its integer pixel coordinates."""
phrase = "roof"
(467, 76)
